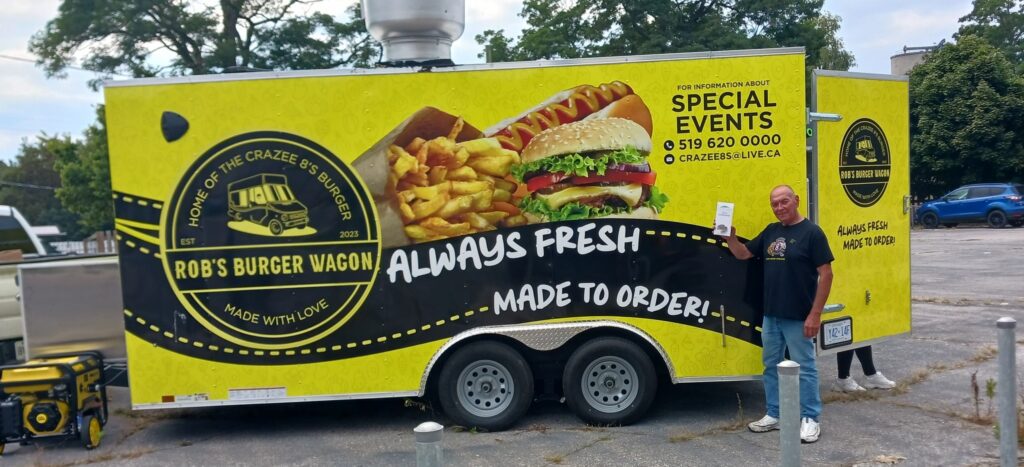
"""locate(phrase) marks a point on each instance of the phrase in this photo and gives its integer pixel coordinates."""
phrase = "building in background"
(901, 64)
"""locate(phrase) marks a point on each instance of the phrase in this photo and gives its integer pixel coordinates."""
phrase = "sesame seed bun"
(599, 134)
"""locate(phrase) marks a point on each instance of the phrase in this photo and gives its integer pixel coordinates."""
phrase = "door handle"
(834, 308)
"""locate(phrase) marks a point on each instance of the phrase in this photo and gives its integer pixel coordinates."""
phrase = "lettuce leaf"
(568, 212)
(575, 210)
(578, 164)
(657, 201)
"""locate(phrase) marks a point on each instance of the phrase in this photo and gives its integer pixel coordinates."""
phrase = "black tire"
(1016, 223)
(930, 220)
(609, 381)
(275, 226)
(485, 384)
(90, 433)
(950, 225)
(996, 219)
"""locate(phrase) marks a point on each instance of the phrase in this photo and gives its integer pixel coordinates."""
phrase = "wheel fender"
(542, 337)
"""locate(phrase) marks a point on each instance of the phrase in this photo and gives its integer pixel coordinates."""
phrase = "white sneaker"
(848, 385)
(764, 425)
(809, 430)
(878, 381)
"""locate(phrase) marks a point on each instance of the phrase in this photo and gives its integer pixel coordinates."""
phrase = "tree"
(594, 28)
(127, 37)
(85, 178)
(29, 183)
(833, 56)
(966, 118)
(999, 23)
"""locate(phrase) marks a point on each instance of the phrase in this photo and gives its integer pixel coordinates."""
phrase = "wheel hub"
(610, 384)
(485, 388)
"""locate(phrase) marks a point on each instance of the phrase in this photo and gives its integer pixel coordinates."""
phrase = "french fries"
(446, 188)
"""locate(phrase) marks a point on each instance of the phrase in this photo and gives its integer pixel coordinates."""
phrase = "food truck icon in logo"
(865, 151)
(264, 204)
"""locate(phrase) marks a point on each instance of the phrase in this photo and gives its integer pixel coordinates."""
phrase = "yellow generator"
(54, 396)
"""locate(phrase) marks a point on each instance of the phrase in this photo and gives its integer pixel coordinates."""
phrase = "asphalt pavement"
(964, 279)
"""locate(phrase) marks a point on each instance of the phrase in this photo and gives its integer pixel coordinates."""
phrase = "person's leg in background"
(874, 378)
(844, 360)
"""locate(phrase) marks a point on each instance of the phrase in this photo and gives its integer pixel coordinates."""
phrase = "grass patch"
(104, 457)
(555, 458)
(737, 423)
(683, 436)
(561, 458)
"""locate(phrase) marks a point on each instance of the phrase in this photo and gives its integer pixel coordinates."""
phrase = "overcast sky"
(873, 30)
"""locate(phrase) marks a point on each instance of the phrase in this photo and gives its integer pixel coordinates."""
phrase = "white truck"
(18, 243)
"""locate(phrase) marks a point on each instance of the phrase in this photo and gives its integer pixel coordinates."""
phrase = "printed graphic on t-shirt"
(777, 249)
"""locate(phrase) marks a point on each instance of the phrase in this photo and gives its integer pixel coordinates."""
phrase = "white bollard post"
(428, 444)
(1006, 391)
(789, 413)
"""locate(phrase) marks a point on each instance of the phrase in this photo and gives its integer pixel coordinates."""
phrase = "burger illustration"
(588, 169)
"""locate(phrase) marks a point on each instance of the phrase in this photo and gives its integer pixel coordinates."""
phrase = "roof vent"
(415, 31)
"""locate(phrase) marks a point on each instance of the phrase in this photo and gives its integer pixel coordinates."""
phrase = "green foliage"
(85, 178)
(125, 37)
(1000, 24)
(966, 118)
(132, 37)
(595, 28)
(29, 183)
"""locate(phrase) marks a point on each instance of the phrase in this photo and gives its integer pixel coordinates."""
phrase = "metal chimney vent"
(415, 31)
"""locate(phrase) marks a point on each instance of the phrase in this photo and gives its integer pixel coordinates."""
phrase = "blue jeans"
(776, 335)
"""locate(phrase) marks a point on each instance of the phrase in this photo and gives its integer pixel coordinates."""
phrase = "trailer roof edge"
(473, 67)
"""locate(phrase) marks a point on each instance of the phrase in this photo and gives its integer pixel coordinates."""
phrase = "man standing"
(797, 281)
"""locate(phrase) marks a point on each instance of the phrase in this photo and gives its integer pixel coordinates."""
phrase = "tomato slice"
(543, 181)
(617, 176)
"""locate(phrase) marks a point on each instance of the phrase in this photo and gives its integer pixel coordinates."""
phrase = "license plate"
(837, 332)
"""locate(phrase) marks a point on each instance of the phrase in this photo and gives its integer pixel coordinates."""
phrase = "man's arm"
(813, 321)
(736, 247)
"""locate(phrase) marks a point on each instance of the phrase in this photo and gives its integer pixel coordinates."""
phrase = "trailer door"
(860, 172)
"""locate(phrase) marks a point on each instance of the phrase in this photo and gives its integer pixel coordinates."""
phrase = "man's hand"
(732, 233)
(737, 248)
(812, 324)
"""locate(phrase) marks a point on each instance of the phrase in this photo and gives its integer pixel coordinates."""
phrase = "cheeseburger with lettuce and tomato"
(592, 168)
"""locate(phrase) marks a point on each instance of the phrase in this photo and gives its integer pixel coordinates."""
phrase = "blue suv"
(996, 203)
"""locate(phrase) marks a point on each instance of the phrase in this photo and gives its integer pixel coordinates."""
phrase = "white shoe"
(764, 425)
(878, 381)
(809, 430)
(848, 385)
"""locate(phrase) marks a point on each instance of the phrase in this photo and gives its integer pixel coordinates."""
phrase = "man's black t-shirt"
(791, 257)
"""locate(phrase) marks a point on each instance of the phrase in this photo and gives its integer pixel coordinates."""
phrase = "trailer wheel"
(276, 227)
(609, 381)
(90, 432)
(487, 385)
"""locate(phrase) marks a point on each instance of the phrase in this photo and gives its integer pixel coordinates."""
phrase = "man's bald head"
(785, 204)
(783, 189)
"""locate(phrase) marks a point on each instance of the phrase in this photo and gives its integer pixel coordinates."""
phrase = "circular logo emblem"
(864, 162)
(271, 242)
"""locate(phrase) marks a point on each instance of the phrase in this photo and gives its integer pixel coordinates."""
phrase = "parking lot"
(963, 280)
